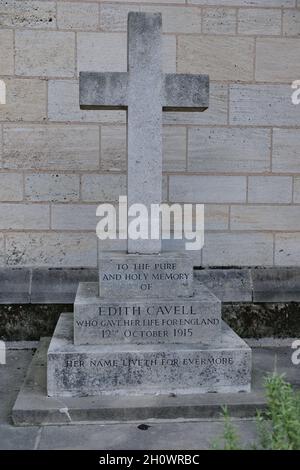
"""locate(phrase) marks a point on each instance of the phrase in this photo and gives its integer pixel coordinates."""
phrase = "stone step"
(91, 370)
(131, 276)
(144, 321)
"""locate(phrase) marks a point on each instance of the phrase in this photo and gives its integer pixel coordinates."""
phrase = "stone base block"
(185, 320)
(128, 276)
(90, 370)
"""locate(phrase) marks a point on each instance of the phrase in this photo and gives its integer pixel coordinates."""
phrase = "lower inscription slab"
(184, 320)
(157, 368)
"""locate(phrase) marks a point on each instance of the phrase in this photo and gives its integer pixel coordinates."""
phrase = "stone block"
(185, 92)
(223, 58)
(276, 285)
(6, 52)
(102, 188)
(127, 276)
(51, 249)
(78, 16)
(238, 249)
(260, 217)
(229, 285)
(259, 22)
(215, 114)
(45, 53)
(297, 189)
(286, 150)
(145, 369)
(270, 189)
(174, 148)
(63, 105)
(24, 216)
(291, 22)
(246, 3)
(25, 100)
(54, 187)
(287, 249)
(147, 321)
(267, 65)
(74, 217)
(28, 14)
(262, 105)
(207, 189)
(113, 148)
(231, 150)
(50, 286)
(11, 187)
(219, 21)
(51, 147)
(15, 285)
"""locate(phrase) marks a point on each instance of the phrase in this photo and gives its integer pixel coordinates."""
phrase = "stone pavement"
(192, 434)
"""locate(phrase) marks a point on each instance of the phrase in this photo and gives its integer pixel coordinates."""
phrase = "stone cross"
(144, 91)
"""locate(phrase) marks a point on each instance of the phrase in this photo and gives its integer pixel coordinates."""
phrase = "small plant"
(278, 428)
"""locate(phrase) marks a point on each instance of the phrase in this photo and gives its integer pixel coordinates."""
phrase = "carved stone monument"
(145, 329)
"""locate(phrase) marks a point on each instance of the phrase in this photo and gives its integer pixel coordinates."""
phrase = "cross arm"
(107, 90)
(185, 92)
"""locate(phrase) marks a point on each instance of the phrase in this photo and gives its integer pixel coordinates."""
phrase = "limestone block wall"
(241, 157)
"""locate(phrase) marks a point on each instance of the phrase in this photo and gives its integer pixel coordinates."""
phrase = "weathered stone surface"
(74, 217)
(286, 150)
(262, 105)
(185, 92)
(260, 217)
(258, 21)
(207, 189)
(58, 285)
(104, 321)
(215, 114)
(118, 369)
(15, 285)
(28, 14)
(54, 187)
(2, 254)
(77, 16)
(238, 249)
(113, 148)
(276, 284)
(51, 147)
(144, 123)
(51, 249)
(174, 20)
(63, 105)
(291, 22)
(128, 276)
(45, 53)
(216, 216)
(229, 150)
(11, 187)
(270, 189)
(25, 100)
(269, 68)
(228, 58)
(24, 216)
(106, 89)
(106, 52)
(6, 52)
(287, 249)
(246, 3)
(219, 21)
(229, 285)
(100, 188)
(297, 189)
(174, 148)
